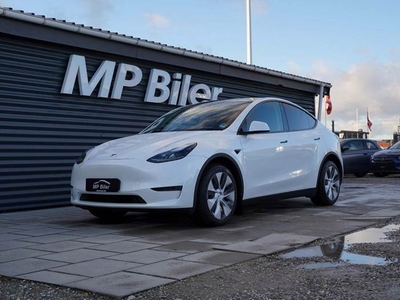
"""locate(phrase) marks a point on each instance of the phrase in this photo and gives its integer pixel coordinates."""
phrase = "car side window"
(298, 119)
(355, 145)
(371, 146)
(267, 112)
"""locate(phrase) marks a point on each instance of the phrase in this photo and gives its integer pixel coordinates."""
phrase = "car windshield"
(216, 115)
(396, 146)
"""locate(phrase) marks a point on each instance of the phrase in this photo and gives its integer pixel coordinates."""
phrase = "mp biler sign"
(161, 86)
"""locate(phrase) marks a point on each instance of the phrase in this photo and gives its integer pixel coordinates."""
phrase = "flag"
(328, 104)
(369, 123)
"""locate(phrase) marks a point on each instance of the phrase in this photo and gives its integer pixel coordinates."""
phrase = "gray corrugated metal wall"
(42, 132)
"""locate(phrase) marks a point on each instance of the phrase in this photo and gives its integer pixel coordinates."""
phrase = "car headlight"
(173, 154)
(82, 157)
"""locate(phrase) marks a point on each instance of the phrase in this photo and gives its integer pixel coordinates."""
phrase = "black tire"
(216, 197)
(360, 174)
(328, 185)
(108, 214)
(380, 174)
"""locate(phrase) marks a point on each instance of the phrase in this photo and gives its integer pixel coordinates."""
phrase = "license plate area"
(103, 185)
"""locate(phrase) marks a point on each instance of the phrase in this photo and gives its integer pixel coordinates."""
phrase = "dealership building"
(65, 88)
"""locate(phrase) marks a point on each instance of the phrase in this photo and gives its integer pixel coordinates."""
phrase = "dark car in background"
(387, 161)
(356, 154)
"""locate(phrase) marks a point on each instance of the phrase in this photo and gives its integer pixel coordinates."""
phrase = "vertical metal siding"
(42, 132)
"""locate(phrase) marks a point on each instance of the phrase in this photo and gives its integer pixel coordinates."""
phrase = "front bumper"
(143, 186)
(388, 165)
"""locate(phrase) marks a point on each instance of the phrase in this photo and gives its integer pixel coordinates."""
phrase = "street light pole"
(248, 19)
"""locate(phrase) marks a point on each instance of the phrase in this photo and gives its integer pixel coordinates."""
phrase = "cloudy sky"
(353, 44)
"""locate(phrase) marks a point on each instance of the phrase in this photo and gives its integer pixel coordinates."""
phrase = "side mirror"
(257, 126)
(345, 148)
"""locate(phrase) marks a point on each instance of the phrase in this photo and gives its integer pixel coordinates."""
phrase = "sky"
(352, 44)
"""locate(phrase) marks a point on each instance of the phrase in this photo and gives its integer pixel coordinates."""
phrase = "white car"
(211, 158)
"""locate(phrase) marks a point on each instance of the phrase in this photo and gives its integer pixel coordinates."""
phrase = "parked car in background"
(209, 158)
(387, 161)
(356, 154)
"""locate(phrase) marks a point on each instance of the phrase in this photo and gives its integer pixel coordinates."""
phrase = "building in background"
(67, 87)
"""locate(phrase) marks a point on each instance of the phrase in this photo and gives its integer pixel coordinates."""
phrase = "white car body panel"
(266, 161)
(306, 162)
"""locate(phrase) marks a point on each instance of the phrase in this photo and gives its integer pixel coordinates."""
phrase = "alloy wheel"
(332, 182)
(221, 195)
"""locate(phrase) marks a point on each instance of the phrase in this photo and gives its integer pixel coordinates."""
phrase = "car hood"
(144, 145)
(387, 153)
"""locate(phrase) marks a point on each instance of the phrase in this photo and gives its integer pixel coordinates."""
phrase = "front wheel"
(328, 185)
(216, 197)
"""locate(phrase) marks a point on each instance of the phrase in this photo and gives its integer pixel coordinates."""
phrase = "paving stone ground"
(69, 247)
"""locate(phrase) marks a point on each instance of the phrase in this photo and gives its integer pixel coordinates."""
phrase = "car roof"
(256, 100)
(356, 139)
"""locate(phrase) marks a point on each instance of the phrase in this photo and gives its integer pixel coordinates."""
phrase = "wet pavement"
(68, 247)
(338, 249)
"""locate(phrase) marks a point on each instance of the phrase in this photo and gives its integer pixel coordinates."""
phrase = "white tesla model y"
(211, 158)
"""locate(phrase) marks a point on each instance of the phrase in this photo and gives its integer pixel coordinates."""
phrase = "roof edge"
(86, 30)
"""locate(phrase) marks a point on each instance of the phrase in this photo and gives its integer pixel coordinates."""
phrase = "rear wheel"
(108, 214)
(216, 197)
(380, 174)
(328, 185)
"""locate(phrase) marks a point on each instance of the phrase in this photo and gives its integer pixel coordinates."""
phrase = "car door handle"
(317, 139)
(284, 142)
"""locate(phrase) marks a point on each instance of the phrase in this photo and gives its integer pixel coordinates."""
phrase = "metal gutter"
(63, 25)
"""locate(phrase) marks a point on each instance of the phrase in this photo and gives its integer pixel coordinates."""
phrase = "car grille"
(112, 198)
(384, 159)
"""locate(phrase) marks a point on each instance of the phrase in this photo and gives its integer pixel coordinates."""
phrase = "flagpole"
(357, 120)
(369, 122)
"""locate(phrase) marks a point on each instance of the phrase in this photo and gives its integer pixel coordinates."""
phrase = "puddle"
(371, 235)
(337, 249)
